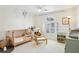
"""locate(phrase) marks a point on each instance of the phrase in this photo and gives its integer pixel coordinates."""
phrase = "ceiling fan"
(41, 8)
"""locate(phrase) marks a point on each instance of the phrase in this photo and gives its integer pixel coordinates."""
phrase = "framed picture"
(65, 20)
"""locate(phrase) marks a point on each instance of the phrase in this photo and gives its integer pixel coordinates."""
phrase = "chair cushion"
(41, 38)
(18, 39)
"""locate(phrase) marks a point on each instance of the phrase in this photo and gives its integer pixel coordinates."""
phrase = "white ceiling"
(35, 8)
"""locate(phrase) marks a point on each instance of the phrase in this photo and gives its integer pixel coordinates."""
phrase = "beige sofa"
(18, 37)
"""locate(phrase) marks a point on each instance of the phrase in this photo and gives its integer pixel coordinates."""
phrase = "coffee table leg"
(46, 40)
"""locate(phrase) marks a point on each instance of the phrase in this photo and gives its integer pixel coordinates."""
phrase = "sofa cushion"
(18, 39)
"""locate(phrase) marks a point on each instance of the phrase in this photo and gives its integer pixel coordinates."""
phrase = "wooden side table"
(2, 44)
(61, 38)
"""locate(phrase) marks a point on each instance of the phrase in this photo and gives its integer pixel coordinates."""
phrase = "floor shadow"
(9, 50)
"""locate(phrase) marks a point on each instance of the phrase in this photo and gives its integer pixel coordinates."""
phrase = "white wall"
(40, 20)
(12, 19)
(77, 25)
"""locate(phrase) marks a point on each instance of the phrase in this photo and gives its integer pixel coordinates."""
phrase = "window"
(50, 25)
